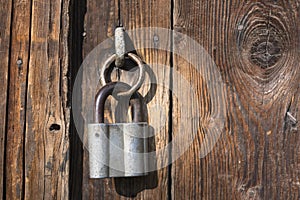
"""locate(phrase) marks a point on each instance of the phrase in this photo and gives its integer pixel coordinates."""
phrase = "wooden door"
(35, 115)
(250, 82)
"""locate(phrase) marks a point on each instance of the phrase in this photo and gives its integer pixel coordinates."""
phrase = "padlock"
(119, 149)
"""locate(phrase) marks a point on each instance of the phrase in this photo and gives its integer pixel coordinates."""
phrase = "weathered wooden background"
(255, 45)
(35, 115)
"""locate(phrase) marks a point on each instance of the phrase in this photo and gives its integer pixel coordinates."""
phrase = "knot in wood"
(265, 51)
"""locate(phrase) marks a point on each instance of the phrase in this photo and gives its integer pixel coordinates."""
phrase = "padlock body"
(118, 150)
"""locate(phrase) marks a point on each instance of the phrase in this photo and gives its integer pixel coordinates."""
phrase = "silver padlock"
(119, 149)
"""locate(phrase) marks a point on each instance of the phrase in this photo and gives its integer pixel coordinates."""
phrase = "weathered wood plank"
(47, 112)
(98, 27)
(255, 45)
(151, 14)
(19, 57)
(193, 19)
(5, 24)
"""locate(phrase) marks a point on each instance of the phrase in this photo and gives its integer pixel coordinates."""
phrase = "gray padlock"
(119, 149)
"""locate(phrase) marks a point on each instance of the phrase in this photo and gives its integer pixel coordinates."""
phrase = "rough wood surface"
(98, 27)
(255, 45)
(19, 52)
(5, 24)
(96, 31)
(37, 157)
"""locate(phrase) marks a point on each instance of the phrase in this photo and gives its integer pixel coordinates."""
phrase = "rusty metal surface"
(104, 79)
(120, 149)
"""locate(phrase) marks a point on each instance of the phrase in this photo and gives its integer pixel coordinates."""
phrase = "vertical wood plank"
(255, 45)
(194, 19)
(5, 24)
(47, 112)
(98, 27)
(100, 20)
(151, 14)
(19, 57)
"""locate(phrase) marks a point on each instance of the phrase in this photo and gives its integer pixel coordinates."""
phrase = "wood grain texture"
(151, 14)
(5, 24)
(20, 42)
(37, 145)
(96, 31)
(98, 27)
(255, 45)
(47, 114)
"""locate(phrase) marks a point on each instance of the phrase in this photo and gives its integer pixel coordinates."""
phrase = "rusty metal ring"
(140, 80)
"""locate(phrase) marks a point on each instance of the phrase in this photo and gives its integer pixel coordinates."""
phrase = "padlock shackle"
(136, 102)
